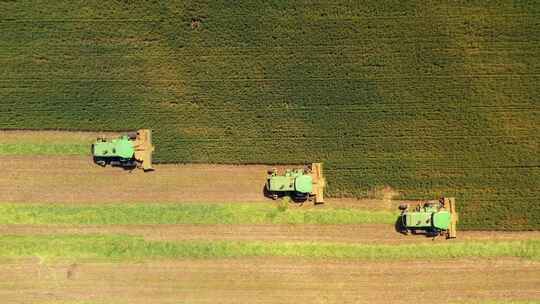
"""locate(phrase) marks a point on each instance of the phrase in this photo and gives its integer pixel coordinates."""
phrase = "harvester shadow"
(266, 193)
(108, 164)
(278, 196)
(399, 227)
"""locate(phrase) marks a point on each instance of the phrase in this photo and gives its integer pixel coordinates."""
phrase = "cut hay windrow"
(185, 213)
(30, 149)
(126, 248)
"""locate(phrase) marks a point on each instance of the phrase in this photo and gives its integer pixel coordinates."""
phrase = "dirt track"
(380, 234)
(271, 281)
(79, 180)
(76, 179)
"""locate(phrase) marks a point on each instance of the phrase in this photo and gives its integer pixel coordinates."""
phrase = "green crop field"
(429, 98)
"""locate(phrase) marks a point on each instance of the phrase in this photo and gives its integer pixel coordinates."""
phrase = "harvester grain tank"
(433, 217)
(131, 150)
(299, 183)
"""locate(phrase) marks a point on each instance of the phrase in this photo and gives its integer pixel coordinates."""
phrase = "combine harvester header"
(144, 148)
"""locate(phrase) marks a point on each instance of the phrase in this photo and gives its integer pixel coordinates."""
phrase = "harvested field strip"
(363, 233)
(122, 248)
(76, 302)
(233, 213)
(267, 280)
(44, 149)
(47, 143)
(499, 302)
(76, 179)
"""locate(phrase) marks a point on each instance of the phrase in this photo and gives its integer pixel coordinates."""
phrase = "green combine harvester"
(300, 184)
(129, 151)
(433, 218)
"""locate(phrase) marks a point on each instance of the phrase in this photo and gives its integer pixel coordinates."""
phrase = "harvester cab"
(433, 217)
(301, 184)
(132, 150)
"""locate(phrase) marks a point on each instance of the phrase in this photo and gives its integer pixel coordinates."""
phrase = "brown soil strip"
(76, 179)
(271, 280)
(79, 180)
(380, 234)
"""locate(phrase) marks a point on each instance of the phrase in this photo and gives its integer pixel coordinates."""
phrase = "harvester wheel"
(101, 163)
(274, 196)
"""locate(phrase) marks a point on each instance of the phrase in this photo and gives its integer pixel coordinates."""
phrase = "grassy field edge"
(124, 248)
(185, 213)
(36, 149)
